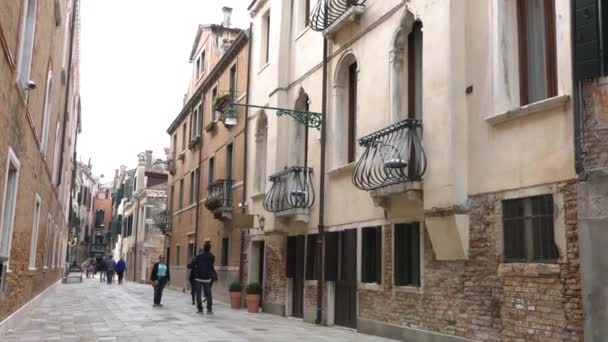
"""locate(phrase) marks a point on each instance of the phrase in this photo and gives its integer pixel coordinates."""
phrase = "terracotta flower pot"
(253, 303)
(235, 300)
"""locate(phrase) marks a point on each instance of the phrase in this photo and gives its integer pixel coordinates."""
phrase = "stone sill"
(263, 67)
(302, 33)
(408, 289)
(528, 270)
(529, 109)
(397, 189)
(342, 169)
(258, 196)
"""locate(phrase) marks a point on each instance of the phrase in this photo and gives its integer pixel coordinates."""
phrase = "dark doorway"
(346, 280)
(298, 278)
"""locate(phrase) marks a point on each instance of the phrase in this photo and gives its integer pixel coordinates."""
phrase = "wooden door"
(346, 282)
(298, 278)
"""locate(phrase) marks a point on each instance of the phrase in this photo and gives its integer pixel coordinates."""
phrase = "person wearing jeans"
(159, 276)
(110, 266)
(205, 276)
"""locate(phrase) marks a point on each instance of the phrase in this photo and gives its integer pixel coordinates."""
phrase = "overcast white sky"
(135, 71)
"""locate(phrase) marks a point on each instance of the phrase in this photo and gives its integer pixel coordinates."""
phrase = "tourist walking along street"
(334, 170)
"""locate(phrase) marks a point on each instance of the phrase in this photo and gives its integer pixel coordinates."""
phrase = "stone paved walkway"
(91, 311)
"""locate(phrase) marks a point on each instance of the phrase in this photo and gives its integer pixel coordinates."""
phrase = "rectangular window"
(229, 153)
(184, 135)
(54, 248)
(168, 256)
(35, 226)
(414, 72)
(175, 145)
(192, 187)
(266, 36)
(537, 52)
(9, 201)
(172, 199)
(197, 175)
(213, 95)
(194, 129)
(47, 243)
(198, 67)
(352, 112)
(406, 249)
(211, 169)
(191, 251)
(306, 12)
(26, 48)
(371, 255)
(311, 257)
(225, 251)
(177, 255)
(233, 81)
(56, 154)
(181, 193)
(528, 229)
(46, 113)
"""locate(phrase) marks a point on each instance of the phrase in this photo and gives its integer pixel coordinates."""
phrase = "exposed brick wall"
(482, 298)
(595, 136)
(275, 282)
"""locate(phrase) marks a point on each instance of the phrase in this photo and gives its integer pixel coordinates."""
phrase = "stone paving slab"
(92, 312)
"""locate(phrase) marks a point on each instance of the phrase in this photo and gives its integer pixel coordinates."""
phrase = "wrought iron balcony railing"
(392, 155)
(219, 194)
(291, 189)
(326, 12)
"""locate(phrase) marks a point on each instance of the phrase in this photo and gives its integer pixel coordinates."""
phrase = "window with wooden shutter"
(290, 269)
(528, 229)
(299, 258)
(587, 39)
(311, 257)
(371, 255)
(406, 249)
(331, 256)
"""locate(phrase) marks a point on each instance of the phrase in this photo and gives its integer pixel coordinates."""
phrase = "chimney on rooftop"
(227, 16)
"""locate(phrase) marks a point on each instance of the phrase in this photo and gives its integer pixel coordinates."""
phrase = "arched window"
(406, 70)
(344, 118)
(297, 146)
(261, 146)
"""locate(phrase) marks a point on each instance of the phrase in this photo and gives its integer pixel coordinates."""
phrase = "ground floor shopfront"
(520, 280)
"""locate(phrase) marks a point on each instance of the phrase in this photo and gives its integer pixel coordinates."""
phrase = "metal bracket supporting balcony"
(309, 119)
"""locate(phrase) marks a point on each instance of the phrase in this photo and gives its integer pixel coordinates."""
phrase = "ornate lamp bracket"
(309, 119)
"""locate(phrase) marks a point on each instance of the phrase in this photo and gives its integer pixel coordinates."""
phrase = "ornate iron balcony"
(392, 155)
(291, 189)
(327, 12)
(219, 194)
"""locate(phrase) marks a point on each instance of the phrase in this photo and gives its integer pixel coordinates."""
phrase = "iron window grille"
(292, 188)
(219, 194)
(327, 12)
(392, 155)
(528, 230)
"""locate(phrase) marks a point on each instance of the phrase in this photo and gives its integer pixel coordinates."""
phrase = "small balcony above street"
(219, 199)
(329, 16)
(291, 194)
(393, 162)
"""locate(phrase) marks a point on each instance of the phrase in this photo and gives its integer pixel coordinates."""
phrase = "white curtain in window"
(537, 61)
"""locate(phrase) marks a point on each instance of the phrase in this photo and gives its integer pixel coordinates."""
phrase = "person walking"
(159, 276)
(110, 267)
(204, 278)
(192, 276)
(101, 269)
(121, 267)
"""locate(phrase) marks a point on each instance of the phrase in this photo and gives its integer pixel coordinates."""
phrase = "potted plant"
(220, 101)
(235, 295)
(254, 293)
(210, 126)
(194, 141)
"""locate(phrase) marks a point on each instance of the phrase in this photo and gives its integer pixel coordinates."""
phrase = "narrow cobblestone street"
(98, 312)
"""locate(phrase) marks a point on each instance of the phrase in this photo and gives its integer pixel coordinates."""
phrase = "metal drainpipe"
(577, 116)
(321, 234)
(243, 208)
(135, 243)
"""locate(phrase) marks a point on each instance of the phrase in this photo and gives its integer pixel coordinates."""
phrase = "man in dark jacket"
(205, 276)
(101, 269)
(121, 267)
(159, 276)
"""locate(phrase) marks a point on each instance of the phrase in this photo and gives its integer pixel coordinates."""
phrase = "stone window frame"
(409, 289)
(47, 256)
(559, 219)
(13, 161)
(35, 229)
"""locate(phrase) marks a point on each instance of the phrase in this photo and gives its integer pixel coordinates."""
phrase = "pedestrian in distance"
(159, 277)
(121, 267)
(110, 267)
(191, 277)
(101, 269)
(205, 276)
